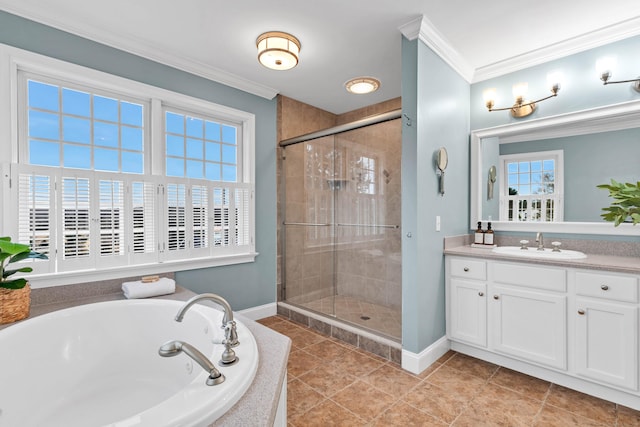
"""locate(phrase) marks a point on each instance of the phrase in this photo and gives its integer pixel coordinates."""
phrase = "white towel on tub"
(137, 289)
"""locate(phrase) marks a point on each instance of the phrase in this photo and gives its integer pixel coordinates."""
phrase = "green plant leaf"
(14, 284)
(8, 273)
(6, 246)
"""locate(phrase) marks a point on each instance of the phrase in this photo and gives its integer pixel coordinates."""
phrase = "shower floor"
(384, 320)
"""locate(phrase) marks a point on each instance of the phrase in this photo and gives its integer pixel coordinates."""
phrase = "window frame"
(16, 65)
(558, 194)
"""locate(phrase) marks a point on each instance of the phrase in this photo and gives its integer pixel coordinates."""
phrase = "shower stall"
(341, 198)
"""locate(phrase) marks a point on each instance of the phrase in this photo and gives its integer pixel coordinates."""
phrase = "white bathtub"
(98, 365)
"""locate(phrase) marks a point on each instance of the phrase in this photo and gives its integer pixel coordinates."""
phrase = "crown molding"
(138, 47)
(601, 37)
(424, 30)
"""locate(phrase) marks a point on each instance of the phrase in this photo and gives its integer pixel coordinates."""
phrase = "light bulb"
(520, 91)
(489, 96)
(605, 67)
(555, 80)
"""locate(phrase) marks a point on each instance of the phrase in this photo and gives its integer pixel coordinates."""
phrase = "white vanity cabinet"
(576, 327)
(468, 298)
(528, 309)
(606, 328)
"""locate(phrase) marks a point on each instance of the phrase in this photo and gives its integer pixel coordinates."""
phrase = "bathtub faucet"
(228, 324)
(173, 348)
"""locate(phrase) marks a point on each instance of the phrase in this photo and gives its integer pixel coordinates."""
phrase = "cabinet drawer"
(468, 268)
(547, 278)
(609, 286)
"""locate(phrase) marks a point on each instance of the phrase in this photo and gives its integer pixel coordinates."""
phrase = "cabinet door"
(529, 325)
(606, 342)
(468, 312)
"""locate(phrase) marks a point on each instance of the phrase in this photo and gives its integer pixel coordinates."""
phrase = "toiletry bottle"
(479, 235)
(488, 235)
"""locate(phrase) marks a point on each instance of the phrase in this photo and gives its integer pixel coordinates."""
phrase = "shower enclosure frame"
(367, 121)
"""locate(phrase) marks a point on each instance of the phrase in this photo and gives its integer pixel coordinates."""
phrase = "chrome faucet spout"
(228, 313)
(540, 241)
(173, 348)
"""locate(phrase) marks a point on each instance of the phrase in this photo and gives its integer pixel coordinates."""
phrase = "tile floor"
(385, 320)
(331, 383)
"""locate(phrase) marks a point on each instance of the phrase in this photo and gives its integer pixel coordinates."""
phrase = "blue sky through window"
(78, 129)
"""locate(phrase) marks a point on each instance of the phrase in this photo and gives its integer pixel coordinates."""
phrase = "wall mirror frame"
(601, 119)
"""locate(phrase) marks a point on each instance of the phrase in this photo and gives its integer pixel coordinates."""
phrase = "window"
(532, 187)
(122, 175)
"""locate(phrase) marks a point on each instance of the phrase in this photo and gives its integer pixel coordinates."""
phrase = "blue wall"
(436, 100)
(244, 285)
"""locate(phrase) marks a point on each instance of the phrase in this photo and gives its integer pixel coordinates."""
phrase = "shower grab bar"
(370, 225)
(313, 224)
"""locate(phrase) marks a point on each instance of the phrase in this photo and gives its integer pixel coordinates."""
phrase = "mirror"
(593, 145)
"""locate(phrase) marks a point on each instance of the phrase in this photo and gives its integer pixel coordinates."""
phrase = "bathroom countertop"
(621, 264)
(259, 404)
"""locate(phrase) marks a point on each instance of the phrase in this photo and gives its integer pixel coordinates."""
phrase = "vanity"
(571, 322)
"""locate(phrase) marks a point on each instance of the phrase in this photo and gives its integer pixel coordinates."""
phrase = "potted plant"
(626, 207)
(15, 293)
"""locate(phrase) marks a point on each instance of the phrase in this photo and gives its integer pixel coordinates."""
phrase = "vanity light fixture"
(605, 67)
(522, 107)
(362, 85)
(278, 50)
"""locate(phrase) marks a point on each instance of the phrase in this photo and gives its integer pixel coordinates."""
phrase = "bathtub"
(98, 365)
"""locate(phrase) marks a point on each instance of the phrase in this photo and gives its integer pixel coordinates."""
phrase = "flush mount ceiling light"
(362, 85)
(521, 107)
(605, 67)
(278, 50)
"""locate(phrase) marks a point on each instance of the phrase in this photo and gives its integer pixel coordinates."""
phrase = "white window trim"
(558, 156)
(13, 60)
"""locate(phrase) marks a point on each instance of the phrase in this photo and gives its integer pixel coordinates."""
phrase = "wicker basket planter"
(14, 304)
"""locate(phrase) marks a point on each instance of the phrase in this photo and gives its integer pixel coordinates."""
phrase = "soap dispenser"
(479, 235)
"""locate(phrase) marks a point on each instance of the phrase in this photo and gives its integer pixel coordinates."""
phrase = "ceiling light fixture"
(362, 85)
(605, 67)
(278, 50)
(522, 108)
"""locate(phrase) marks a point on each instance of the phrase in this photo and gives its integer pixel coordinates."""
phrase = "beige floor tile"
(357, 363)
(628, 417)
(448, 355)
(435, 401)
(301, 362)
(582, 404)
(327, 350)
(326, 414)
(430, 370)
(402, 414)
(304, 338)
(301, 397)
(327, 379)
(522, 383)
(550, 416)
(365, 401)
(472, 366)
(392, 380)
(503, 406)
(453, 381)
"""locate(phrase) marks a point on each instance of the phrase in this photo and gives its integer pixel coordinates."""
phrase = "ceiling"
(341, 39)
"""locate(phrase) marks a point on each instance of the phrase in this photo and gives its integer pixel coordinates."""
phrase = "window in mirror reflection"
(531, 187)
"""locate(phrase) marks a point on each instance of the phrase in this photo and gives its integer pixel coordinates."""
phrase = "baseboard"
(416, 363)
(261, 311)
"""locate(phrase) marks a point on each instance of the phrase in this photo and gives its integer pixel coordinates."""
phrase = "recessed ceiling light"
(362, 85)
(278, 50)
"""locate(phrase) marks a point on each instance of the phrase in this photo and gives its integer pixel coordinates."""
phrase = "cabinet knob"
(466, 269)
(604, 287)
(496, 297)
(581, 312)
(481, 294)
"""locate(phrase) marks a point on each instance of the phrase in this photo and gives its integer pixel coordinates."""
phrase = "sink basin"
(534, 253)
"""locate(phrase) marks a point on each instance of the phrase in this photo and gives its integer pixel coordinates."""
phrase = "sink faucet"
(540, 241)
(173, 348)
(228, 324)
